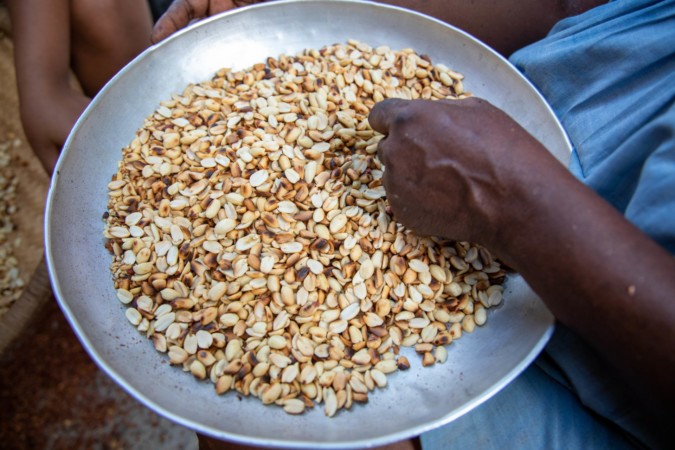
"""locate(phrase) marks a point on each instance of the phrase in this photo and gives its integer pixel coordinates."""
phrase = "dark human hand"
(182, 12)
(456, 168)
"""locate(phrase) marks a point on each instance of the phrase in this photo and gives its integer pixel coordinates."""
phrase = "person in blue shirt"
(594, 240)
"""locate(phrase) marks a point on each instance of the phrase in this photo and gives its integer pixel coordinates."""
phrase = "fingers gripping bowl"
(477, 367)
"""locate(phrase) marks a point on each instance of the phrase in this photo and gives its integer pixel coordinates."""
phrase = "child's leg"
(106, 35)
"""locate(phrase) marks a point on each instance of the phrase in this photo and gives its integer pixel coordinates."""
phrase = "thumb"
(386, 113)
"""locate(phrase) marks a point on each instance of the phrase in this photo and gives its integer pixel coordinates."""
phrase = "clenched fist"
(457, 168)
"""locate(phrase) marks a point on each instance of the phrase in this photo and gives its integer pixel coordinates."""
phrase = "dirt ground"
(54, 397)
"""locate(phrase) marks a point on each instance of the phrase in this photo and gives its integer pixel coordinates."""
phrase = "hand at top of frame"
(182, 12)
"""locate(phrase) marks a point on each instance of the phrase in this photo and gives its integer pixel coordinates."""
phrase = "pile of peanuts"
(11, 282)
(253, 244)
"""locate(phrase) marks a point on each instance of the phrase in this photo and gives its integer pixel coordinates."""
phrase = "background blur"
(52, 396)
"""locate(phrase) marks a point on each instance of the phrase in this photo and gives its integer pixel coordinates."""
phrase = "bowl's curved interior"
(417, 400)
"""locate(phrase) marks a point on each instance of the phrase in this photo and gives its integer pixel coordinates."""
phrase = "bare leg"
(106, 35)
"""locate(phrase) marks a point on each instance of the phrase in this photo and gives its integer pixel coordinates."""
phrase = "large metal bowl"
(420, 399)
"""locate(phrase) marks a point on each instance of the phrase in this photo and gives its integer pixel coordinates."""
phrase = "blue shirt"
(609, 75)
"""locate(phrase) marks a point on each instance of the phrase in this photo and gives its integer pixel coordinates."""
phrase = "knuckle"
(402, 117)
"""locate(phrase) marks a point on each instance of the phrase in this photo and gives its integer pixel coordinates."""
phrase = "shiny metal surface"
(479, 364)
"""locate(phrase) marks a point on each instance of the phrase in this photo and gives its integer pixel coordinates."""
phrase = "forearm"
(42, 44)
(598, 274)
(505, 25)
